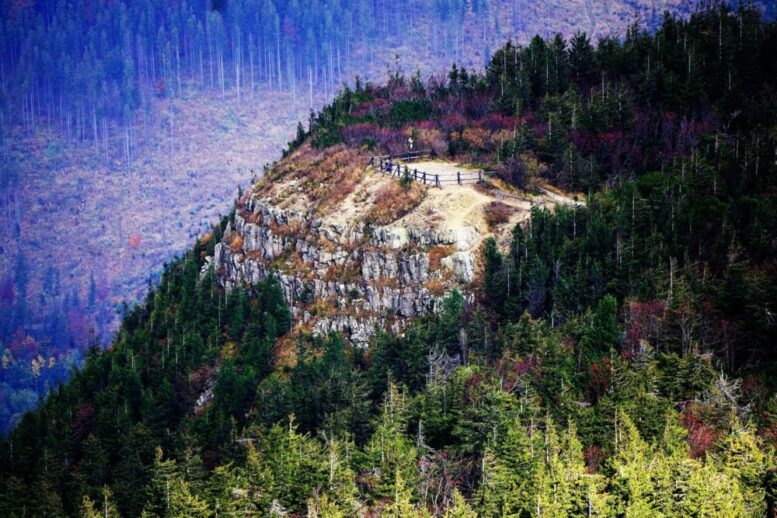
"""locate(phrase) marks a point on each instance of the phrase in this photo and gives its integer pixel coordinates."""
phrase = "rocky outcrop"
(357, 276)
(462, 264)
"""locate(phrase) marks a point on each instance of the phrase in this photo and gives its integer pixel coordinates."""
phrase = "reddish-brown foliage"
(80, 326)
(435, 286)
(594, 456)
(478, 139)
(497, 121)
(497, 213)
(701, 435)
(134, 241)
(82, 422)
(454, 122)
(600, 375)
(436, 253)
(511, 371)
(236, 243)
(645, 321)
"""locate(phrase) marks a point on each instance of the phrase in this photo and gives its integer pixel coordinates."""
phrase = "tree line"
(192, 412)
(78, 66)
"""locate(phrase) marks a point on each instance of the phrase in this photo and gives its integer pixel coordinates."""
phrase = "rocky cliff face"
(340, 271)
(345, 277)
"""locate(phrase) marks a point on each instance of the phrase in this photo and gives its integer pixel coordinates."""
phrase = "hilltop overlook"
(356, 247)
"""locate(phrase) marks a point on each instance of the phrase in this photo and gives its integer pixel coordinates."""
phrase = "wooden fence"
(387, 165)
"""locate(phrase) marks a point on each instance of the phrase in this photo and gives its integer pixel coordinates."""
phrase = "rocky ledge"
(346, 277)
(354, 249)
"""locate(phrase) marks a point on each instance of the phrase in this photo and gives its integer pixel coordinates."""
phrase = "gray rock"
(462, 264)
(392, 280)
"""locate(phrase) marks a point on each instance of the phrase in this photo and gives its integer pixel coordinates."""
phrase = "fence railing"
(386, 165)
(436, 179)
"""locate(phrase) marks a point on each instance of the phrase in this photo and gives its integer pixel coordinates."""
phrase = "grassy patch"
(394, 201)
(436, 253)
(236, 243)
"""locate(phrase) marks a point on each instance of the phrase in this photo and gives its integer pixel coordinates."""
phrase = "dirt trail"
(560, 199)
(448, 172)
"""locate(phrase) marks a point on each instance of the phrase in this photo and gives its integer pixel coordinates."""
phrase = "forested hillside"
(132, 123)
(618, 360)
(80, 63)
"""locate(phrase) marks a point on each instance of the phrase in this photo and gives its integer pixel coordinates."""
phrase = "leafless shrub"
(497, 213)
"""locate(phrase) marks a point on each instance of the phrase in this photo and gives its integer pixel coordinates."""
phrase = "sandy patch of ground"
(358, 204)
(460, 205)
(451, 207)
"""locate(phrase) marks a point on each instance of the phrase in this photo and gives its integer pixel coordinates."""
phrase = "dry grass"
(436, 286)
(285, 352)
(385, 282)
(294, 264)
(436, 253)
(477, 138)
(293, 228)
(236, 243)
(204, 240)
(323, 178)
(346, 274)
(325, 244)
(253, 217)
(497, 213)
(321, 308)
(394, 201)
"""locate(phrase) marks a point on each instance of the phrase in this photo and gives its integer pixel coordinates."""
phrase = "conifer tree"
(632, 477)
(743, 459)
(389, 454)
(459, 507)
(103, 508)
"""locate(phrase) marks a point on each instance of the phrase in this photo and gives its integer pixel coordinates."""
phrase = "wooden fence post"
(458, 177)
(437, 180)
